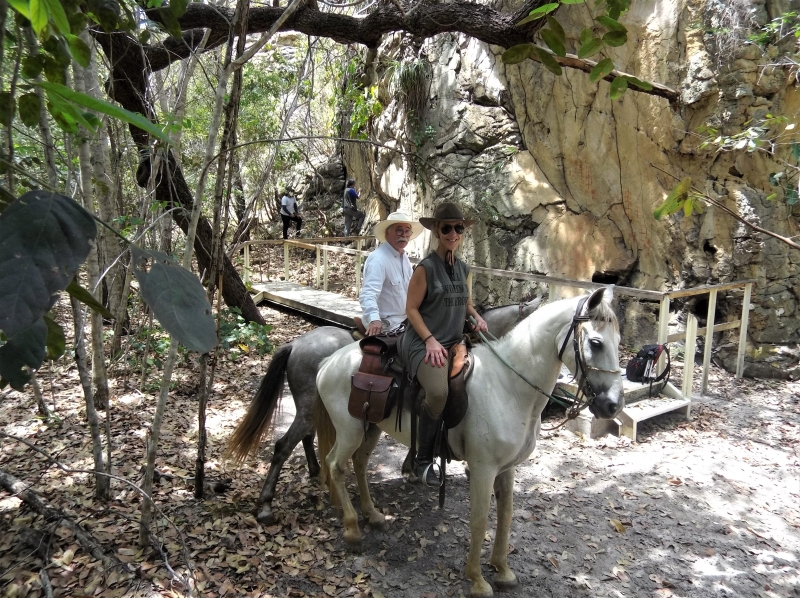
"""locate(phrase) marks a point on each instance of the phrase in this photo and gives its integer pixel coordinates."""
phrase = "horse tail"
(326, 436)
(258, 420)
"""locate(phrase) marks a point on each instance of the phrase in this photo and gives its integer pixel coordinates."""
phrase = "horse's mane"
(602, 315)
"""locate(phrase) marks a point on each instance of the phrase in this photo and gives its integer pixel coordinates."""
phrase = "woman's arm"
(435, 353)
(480, 324)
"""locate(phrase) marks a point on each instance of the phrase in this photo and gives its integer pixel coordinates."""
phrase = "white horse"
(502, 423)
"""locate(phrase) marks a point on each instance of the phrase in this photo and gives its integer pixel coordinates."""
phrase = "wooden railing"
(322, 248)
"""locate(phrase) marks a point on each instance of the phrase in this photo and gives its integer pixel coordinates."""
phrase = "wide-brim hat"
(445, 211)
(399, 217)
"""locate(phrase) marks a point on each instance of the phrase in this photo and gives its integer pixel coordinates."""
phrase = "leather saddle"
(381, 379)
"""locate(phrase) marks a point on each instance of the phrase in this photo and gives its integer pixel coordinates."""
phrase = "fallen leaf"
(618, 525)
(554, 562)
(675, 481)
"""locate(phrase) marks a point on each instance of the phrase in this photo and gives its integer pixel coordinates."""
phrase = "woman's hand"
(480, 325)
(435, 353)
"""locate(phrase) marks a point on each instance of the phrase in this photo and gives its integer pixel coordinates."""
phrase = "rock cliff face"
(566, 180)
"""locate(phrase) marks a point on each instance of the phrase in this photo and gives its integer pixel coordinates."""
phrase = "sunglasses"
(446, 228)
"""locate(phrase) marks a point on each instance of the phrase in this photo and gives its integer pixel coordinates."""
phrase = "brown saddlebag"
(370, 389)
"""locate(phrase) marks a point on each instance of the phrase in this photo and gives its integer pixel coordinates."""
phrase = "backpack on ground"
(644, 367)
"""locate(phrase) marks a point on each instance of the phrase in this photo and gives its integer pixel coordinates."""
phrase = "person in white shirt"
(387, 273)
(290, 211)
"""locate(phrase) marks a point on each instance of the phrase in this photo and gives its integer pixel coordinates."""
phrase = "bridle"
(585, 395)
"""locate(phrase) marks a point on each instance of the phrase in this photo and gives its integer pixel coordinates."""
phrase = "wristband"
(425, 340)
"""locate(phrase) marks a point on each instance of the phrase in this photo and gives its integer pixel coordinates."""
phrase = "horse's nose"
(607, 405)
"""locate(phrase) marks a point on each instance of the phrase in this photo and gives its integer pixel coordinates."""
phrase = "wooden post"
(688, 356)
(286, 261)
(359, 245)
(316, 270)
(748, 289)
(325, 268)
(246, 263)
(709, 338)
(663, 328)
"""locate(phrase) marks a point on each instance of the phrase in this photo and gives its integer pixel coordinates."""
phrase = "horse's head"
(589, 347)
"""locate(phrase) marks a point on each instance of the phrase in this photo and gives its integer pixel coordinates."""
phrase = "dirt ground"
(698, 508)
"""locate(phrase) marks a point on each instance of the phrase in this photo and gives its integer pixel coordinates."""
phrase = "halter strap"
(577, 319)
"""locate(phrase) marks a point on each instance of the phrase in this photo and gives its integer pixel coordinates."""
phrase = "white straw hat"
(379, 230)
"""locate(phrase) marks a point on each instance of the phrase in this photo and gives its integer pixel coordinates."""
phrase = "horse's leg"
(311, 455)
(360, 461)
(283, 448)
(504, 494)
(337, 460)
(480, 495)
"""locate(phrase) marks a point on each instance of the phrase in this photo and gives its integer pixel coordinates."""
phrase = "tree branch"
(732, 214)
(424, 20)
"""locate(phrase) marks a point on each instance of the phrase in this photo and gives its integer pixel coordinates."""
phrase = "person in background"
(290, 211)
(438, 304)
(387, 273)
(353, 217)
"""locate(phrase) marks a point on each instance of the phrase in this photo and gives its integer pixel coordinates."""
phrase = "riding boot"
(423, 471)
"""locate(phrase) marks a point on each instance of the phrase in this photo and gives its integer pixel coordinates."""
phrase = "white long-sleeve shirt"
(385, 286)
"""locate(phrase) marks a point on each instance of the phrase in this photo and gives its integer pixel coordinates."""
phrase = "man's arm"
(372, 285)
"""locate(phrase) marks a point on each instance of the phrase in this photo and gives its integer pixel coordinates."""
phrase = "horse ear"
(597, 296)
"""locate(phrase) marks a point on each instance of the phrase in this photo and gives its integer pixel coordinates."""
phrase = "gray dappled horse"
(299, 361)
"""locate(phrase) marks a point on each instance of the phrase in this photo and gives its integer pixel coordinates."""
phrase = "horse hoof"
(482, 591)
(353, 545)
(505, 585)
(378, 524)
(266, 516)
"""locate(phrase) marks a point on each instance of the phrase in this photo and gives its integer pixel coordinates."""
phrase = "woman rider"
(438, 302)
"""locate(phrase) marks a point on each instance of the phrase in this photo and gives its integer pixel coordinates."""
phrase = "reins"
(578, 404)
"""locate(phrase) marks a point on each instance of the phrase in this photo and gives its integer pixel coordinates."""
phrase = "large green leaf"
(178, 7)
(24, 352)
(105, 108)
(675, 199)
(56, 342)
(517, 54)
(23, 7)
(550, 63)
(85, 297)
(44, 238)
(177, 299)
(601, 69)
(554, 42)
(540, 12)
(590, 48)
(639, 83)
(79, 50)
(615, 38)
(618, 87)
(611, 24)
(557, 28)
(170, 22)
(58, 16)
(39, 15)
(29, 109)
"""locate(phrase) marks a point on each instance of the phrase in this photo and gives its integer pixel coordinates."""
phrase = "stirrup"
(424, 477)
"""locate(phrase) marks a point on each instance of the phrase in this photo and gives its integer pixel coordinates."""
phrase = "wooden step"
(638, 407)
(647, 408)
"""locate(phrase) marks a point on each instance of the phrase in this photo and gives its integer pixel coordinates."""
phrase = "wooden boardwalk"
(321, 304)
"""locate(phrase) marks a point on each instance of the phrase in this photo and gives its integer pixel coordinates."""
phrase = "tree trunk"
(129, 88)
(102, 483)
